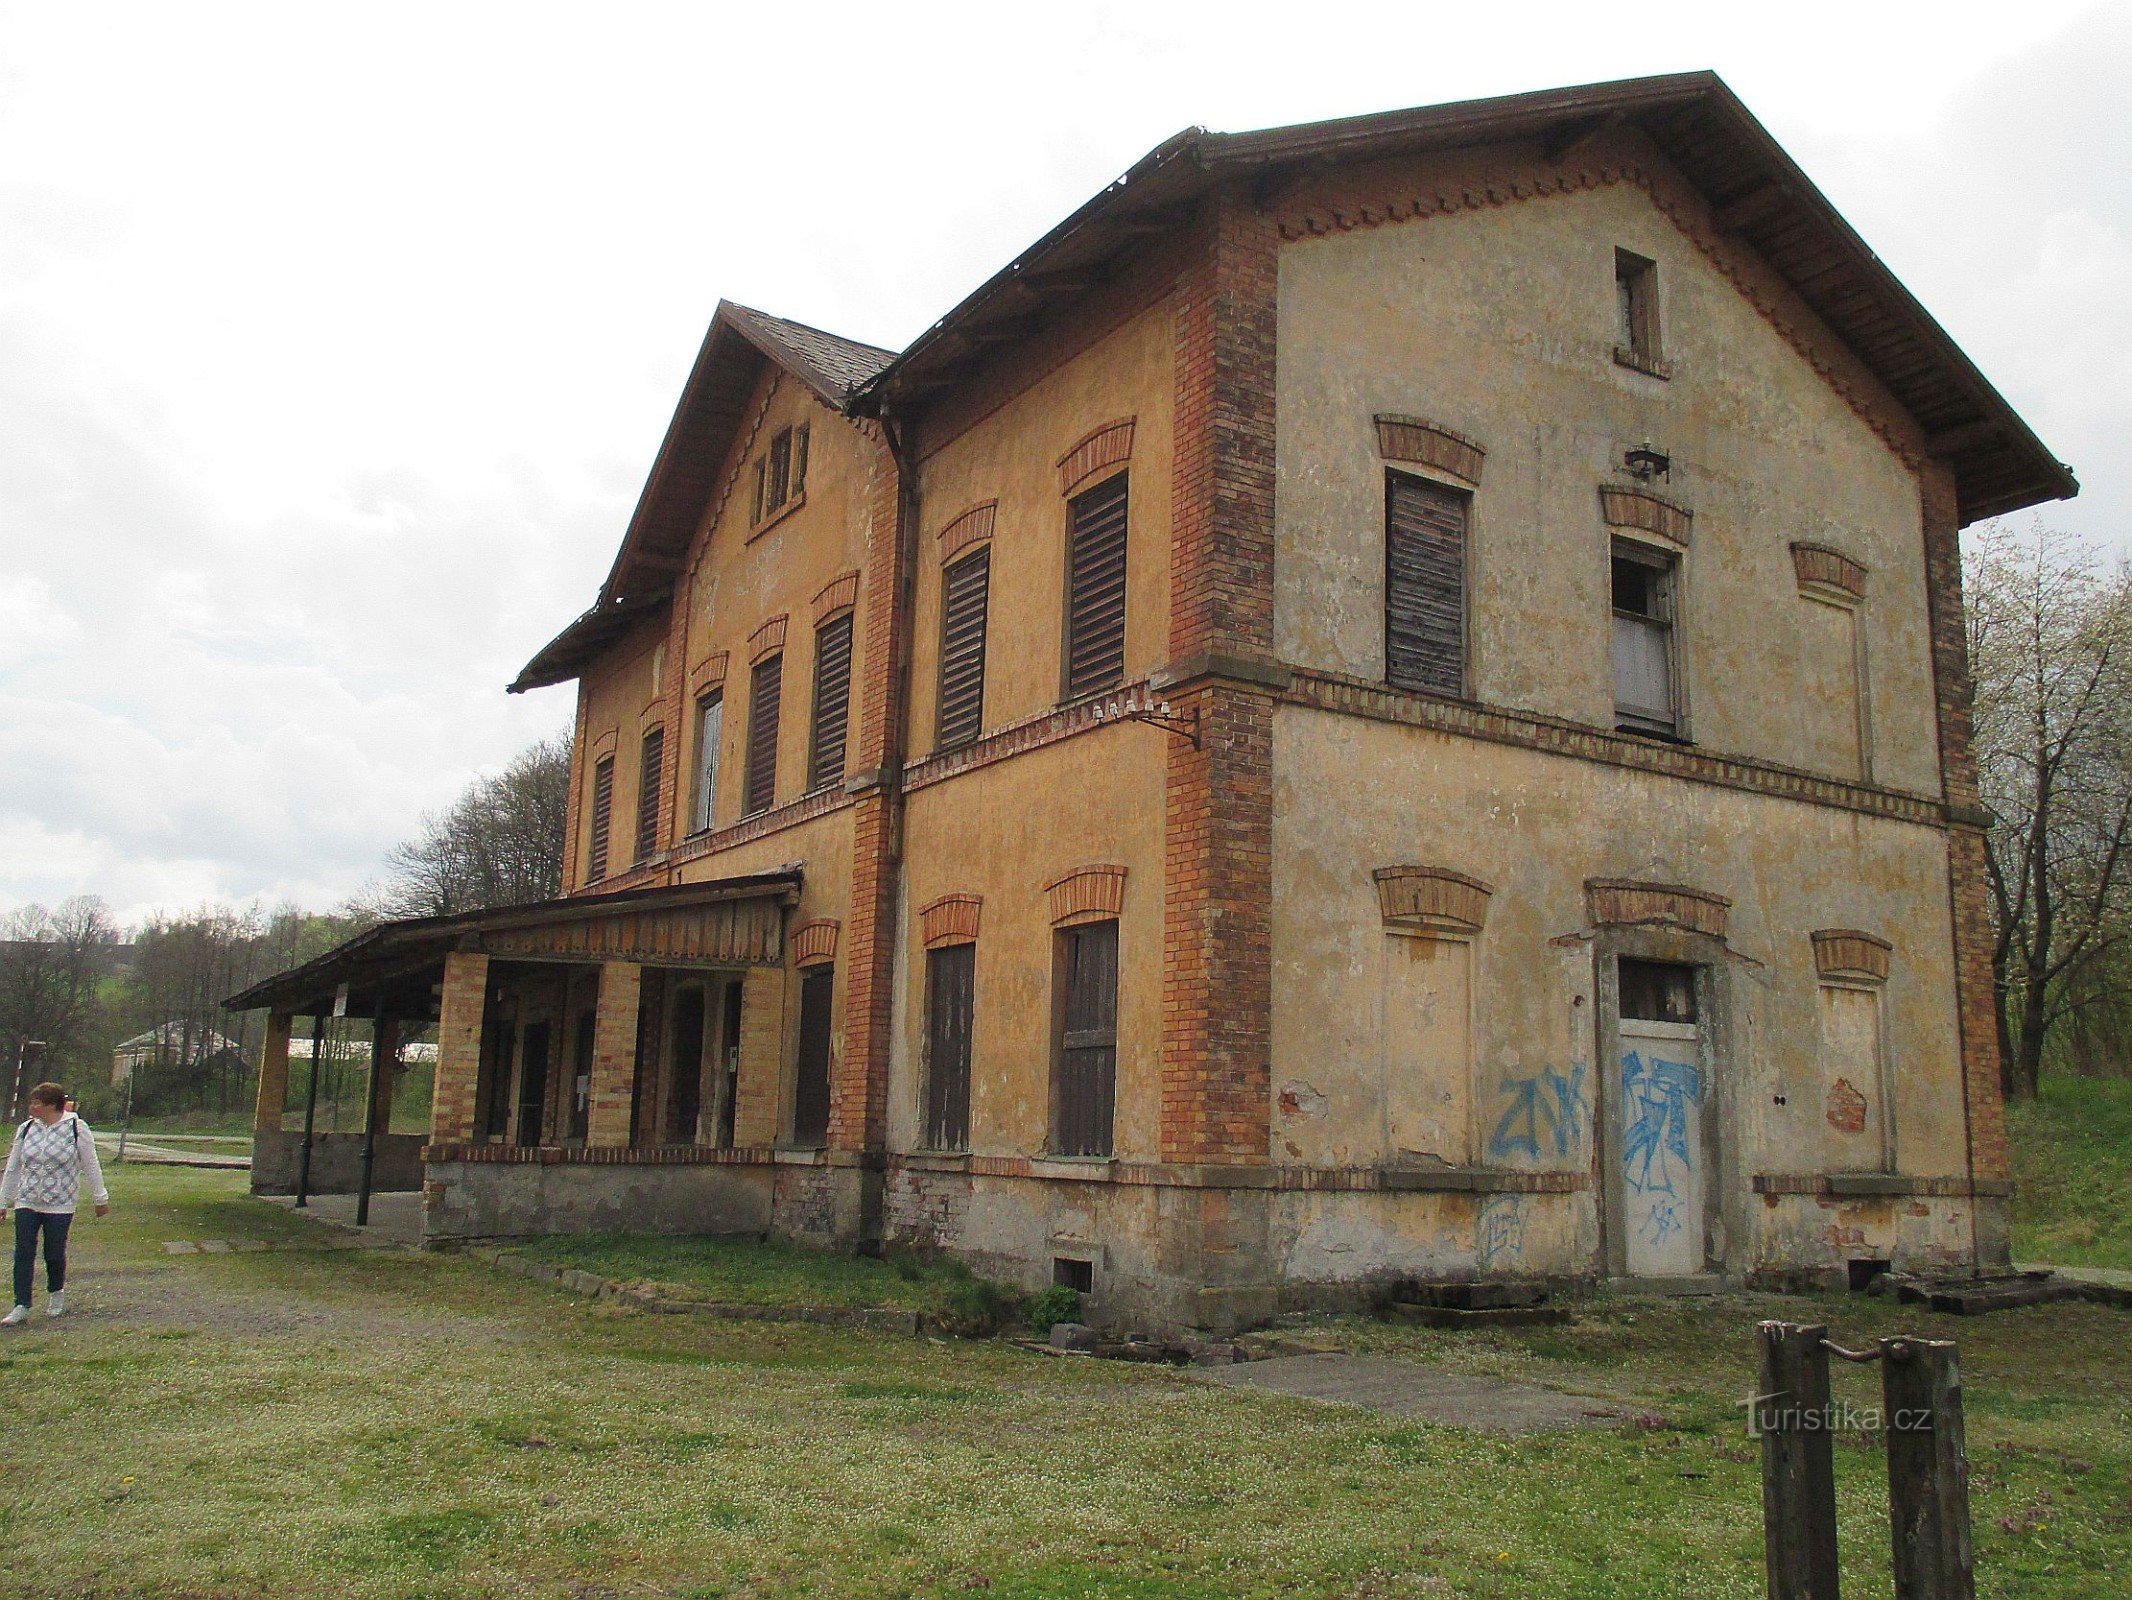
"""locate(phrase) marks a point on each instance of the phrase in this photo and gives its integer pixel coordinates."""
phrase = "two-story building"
(1387, 701)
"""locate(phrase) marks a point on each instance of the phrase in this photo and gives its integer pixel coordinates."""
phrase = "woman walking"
(52, 1157)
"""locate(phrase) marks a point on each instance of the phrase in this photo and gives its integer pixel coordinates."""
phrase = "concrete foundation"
(336, 1162)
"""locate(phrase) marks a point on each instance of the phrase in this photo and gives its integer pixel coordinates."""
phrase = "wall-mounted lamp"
(1644, 463)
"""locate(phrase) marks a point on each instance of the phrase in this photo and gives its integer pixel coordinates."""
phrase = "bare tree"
(500, 843)
(2050, 642)
(52, 968)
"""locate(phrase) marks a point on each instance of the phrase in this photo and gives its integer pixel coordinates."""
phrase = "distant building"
(171, 1044)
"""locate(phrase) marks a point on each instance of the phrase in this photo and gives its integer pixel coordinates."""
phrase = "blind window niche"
(1095, 589)
(602, 818)
(1646, 588)
(965, 596)
(832, 702)
(1425, 585)
(765, 686)
(710, 735)
(650, 773)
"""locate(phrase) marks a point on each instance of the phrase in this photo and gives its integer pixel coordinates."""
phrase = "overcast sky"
(336, 340)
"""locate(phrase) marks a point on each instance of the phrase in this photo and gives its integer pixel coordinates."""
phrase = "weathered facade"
(1388, 701)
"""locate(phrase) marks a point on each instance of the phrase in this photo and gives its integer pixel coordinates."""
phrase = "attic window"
(781, 472)
(1636, 314)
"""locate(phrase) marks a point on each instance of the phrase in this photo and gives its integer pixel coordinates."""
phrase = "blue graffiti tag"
(1663, 1221)
(1499, 1230)
(1549, 1105)
(1655, 1097)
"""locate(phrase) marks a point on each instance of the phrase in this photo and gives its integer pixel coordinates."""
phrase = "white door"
(1662, 1165)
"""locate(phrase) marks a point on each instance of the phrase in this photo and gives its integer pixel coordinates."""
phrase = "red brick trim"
(1850, 953)
(1432, 897)
(1032, 733)
(766, 640)
(1432, 445)
(1258, 1175)
(973, 526)
(1099, 448)
(1640, 508)
(790, 815)
(838, 594)
(952, 919)
(1623, 902)
(1086, 894)
(1324, 691)
(1866, 1185)
(669, 1155)
(815, 942)
(1820, 569)
(710, 674)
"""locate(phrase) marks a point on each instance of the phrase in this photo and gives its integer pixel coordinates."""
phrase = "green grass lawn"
(299, 1423)
(2072, 1159)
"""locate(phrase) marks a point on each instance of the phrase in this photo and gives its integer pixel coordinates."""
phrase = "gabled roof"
(1757, 192)
(683, 474)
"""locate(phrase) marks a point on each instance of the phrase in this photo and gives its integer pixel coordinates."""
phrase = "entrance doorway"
(1662, 1171)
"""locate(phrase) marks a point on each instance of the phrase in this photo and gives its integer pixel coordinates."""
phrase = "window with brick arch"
(1085, 1087)
(710, 733)
(765, 686)
(602, 818)
(965, 589)
(950, 1003)
(651, 773)
(1095, 588)
(832, 702)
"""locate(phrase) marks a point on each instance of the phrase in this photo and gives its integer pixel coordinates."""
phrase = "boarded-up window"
(1424, 585)
(1088, 1039)
(764, 686)
(650, 773)
(965, 595)
(710, 734)
(602, 818)
(950, 978)
(1636, 305)
(832, 702)
(1095, 589)
(1645, 582)
(1428, 1077)
(1854, 1086)
(810, 1091)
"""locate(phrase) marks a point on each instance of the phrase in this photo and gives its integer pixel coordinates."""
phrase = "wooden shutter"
(710, 733)
(602, 816)
(950, 977)
(1095, 589)
(1088, 1043)
(965, 597)
(648, 794)
(832, 702)
(1424, 586)
(810, 1093)
(764, 688)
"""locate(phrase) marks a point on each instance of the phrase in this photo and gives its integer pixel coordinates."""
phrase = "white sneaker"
(16, 1317)
(56, 1303)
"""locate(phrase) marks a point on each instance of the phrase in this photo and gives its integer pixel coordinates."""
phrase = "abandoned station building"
(1388, 701)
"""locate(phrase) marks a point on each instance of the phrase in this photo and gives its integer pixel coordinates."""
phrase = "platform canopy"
(394, 969)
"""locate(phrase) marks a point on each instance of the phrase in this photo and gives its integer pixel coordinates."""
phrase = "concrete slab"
(395, 1216)
(1404, 1389)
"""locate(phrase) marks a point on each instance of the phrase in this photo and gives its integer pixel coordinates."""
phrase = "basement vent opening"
(1079, 1276)
(1863, 1274)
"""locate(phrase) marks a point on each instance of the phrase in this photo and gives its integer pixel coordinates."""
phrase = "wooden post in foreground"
(1928, 1474)
(1791, 1413)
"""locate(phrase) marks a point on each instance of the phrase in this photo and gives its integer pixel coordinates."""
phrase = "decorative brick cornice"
(526, 1155)
(952, 919)
(1432, 445)
(1849, 953)
(1825, 571)
(762, 824)
(973, 526)
(1622, 902)
(838, 594)
(1031, 733)
(766, 640)
(1101, 447)
(1333, 692)
(1086, 894)
(1624, 507)
(1256, 1175)
(1432, 898)
(815, 942)
(709, 673)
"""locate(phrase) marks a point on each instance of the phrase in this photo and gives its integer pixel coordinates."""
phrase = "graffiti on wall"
(1655, 1097)
(1546, 1115)
(1499, 1231)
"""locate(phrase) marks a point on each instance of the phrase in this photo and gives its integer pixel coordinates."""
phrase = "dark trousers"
(54, 1225)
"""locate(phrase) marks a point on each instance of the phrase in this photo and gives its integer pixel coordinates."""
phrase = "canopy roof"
(392, 970)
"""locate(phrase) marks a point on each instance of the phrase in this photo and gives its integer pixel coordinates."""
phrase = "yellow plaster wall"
(621, 693)
(1500, 323)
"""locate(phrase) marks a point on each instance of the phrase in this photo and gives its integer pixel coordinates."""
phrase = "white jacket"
(47, 1164)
